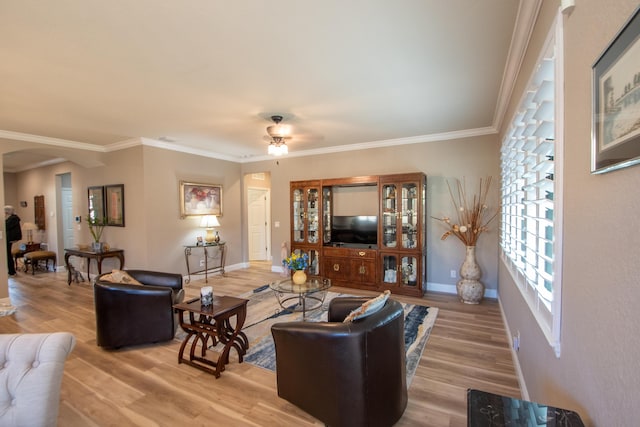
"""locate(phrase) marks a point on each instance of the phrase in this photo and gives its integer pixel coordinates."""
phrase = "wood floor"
(145, 386)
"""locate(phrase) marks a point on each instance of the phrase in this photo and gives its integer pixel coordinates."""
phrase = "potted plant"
(471, 220)
(96, 227)
(297, 263)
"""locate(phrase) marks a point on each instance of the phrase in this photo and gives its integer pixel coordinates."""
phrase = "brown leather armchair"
(128, 314)
(345, 374)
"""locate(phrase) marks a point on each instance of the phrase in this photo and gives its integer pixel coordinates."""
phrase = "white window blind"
(531, 208)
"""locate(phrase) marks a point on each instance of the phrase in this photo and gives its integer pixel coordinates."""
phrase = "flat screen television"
(354, 230)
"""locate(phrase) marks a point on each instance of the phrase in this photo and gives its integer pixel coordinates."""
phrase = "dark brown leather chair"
(128, 314)
(345, 374)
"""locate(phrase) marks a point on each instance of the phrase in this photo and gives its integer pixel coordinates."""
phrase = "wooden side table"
(89, 255)
(213, 323)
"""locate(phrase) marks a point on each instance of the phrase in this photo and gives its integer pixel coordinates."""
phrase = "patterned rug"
(263, 311)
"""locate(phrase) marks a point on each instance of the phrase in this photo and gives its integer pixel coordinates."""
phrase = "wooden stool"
(33, 258)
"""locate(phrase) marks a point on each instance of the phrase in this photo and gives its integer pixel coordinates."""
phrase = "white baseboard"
(451, 289)
(238, 266)
(514, 356)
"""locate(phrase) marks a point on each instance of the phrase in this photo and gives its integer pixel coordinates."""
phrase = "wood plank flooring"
(145, 386)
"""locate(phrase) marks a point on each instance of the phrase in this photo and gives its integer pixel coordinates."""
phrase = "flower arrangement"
(473, 216)
(96, 227)
(296, 261)
(199, 194)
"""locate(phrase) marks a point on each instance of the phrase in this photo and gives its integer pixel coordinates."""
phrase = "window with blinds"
(529, 233)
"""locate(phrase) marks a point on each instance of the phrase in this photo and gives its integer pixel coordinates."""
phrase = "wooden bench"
(33, 259)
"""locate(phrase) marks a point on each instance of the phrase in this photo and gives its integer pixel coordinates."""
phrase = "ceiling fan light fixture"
(278, 132)
(277, 149)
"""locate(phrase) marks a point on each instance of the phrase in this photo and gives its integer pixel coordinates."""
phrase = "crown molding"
(58, 142)
(435, 137)
(528, 11)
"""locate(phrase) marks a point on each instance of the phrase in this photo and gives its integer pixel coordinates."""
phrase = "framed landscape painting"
(615, 130)
(200, 199)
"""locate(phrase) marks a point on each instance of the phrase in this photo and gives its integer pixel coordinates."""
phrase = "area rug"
(263, 311)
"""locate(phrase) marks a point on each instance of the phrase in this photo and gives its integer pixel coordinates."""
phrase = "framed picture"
(114, 196)
(200, 199)
(615, 129)
(96, 203)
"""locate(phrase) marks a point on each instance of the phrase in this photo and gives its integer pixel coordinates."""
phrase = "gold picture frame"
(197, 199)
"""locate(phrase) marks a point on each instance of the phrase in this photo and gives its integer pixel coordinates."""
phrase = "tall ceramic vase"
(470, 289)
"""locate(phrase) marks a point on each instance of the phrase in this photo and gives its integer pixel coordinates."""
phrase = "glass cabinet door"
(409, 271)
(326, 215)
(390, 269)
(389, 216)
(312, 215)
(298, 215)
(409, 215)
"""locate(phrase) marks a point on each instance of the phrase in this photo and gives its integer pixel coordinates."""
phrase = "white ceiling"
(205, 76)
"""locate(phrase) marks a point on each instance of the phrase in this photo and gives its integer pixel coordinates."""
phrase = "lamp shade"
(209, 221)
(29, 226)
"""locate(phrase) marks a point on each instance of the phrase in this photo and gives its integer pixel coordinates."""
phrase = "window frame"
(523, 262)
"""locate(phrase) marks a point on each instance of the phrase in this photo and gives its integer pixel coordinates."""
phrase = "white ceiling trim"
(65, 143)
(436, 137)
(525, 22)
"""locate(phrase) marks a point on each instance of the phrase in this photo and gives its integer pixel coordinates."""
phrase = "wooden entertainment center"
(365, 232)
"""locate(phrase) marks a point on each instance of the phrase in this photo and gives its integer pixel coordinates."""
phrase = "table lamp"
(29, 227)
(209, 222)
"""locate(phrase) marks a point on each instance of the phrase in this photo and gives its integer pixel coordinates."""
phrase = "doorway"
(65, 213)
(258, 207)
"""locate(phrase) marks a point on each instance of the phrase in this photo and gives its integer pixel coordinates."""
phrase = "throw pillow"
(178, 296)
(368, 307)
(119, 276)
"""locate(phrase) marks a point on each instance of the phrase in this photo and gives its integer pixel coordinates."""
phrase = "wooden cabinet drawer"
(363, 271)
(336, 268)
(363, 253)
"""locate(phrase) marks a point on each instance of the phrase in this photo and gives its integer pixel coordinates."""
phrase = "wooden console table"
(213, 251)
(89, 255)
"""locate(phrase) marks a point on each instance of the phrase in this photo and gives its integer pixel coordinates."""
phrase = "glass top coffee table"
(301, 298)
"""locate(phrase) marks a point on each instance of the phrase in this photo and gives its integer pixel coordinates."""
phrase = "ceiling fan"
(278, 133)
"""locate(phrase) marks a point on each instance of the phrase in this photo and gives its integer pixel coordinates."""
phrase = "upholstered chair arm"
(339, 308)
(157, 278)
(345, 374)
(127, 314)
(326, 357)
(31, 376)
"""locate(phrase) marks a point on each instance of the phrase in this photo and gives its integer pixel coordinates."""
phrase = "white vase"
(470, 289)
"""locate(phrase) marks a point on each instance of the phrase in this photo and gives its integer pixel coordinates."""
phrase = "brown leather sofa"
(345, 374)
(128, 314)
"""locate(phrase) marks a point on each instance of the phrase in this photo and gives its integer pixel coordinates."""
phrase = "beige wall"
(598, 373)
(470, 158)
(154, 234)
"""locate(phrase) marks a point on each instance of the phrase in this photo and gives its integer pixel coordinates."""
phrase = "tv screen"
(356, 229)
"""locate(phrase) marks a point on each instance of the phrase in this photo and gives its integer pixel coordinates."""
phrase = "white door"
(258, 203)
(67, 217)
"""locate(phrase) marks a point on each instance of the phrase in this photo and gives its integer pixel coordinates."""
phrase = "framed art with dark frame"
(96, 203)
(200, 199)
(114, 197)
(615, 132)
